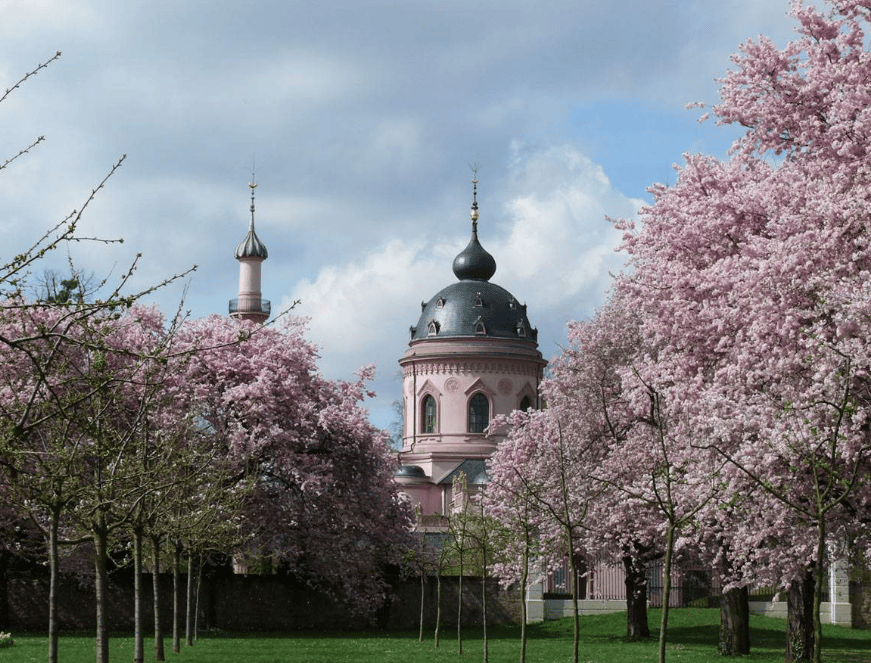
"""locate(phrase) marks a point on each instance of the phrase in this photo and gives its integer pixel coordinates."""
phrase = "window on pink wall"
(429, 414)
(479, 413)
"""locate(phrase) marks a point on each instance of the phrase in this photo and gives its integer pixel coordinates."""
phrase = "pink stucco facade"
(452, 370)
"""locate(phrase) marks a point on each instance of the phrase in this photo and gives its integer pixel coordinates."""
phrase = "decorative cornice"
(471, 367)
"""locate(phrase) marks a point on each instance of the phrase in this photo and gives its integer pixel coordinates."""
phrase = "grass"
(693, 639)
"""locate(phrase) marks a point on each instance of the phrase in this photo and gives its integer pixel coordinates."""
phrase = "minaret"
(250, 253)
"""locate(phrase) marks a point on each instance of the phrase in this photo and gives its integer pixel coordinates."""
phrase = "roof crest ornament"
(474, 262)
(251, 246)
(252, 185)
(474, 212)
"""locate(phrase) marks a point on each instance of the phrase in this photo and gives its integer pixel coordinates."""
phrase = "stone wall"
(256, 603)
(860, 597)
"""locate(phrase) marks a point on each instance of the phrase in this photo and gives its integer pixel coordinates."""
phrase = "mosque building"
(472, 355)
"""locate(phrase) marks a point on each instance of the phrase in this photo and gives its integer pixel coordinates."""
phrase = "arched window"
(479, 413)
(525, 404)
(428, 420)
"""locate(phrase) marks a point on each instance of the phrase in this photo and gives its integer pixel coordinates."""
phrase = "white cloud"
(553, 248)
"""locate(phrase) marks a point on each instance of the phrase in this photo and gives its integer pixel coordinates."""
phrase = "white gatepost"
(535, 602)
(841, 612)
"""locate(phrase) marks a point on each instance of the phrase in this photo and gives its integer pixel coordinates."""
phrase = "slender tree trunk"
(53, 559)
(635, 574)
(460, 610)
(159, 654)
(176, 595)
(422, 596)
(100, 536)
(818, 589)
(138, 616)
(576, 617)
(484, 602)
(800, 626)
(189, 605)
(199, 585)
(734, 622)
(438, 608)
(666, 590)
(4, 590)
(524, 577)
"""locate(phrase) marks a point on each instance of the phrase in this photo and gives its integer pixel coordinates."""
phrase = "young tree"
(511, 503)
(44, 443)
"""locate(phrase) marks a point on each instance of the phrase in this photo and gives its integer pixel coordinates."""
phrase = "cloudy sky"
(362, 117)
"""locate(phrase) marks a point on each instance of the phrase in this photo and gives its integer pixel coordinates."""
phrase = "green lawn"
(693, 640)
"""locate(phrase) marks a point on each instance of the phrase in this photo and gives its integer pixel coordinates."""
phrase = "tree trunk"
(176, 595)
(576, 618)
(460, 610)
(819, 570)
(199, 586)
(484, 603)
(666, 590)
(4, 590)
(635, 569)
(422, 596)
(524, 576)
(53, 560)
(189, 621)
(800, 621)
(100, 536)
(159, 654)
(438, 608)
(734, 622)
(138, 616)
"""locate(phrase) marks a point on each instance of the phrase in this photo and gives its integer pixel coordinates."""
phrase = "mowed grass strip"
(693, 636)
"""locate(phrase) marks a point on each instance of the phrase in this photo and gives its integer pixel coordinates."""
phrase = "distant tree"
(53, 287)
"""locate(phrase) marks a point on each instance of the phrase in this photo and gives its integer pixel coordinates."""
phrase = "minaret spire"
(474, 212)
(252, 185)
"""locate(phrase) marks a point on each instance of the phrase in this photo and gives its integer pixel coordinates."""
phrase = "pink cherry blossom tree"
(325, 503)
(751, 276)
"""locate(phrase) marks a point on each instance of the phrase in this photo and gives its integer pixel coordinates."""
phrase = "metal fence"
(690, 585)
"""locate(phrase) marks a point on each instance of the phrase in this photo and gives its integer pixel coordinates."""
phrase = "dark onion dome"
(251, 246)
(474, 306)
(474, 262)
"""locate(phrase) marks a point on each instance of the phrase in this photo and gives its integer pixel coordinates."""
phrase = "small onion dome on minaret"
(251, 246)
(473, 262)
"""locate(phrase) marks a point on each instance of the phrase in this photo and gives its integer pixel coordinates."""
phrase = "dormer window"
(512, 304)
(478, 301)
(432, 328)
(479, 326)
(521, 329)
(440, 302)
